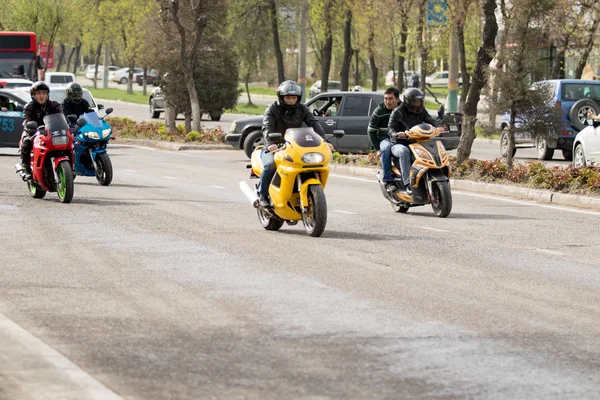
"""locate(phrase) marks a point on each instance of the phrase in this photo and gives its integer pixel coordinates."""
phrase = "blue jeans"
(268, 172)
(386, 159)
(403, 154)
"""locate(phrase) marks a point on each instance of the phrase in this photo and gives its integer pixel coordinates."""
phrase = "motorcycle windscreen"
(56, 124)
(304, 137)
(92, 119)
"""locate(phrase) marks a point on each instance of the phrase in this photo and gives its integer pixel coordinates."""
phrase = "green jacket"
(378, 125)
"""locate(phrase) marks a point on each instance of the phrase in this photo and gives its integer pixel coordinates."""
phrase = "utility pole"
(105, 72)
(303, 47)
(453, 71)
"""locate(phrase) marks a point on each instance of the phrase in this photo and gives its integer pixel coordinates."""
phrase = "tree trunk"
(144, 81)
(326, 65)
(130, 77)
(558, 62)
(170, 118)
(51, 43)
(76, 61)
(588, 48)
(465, 77)
(188, 122)
(402, 52)
(246, 81)
(190, 84)
(276, 44)
(69, 59)
(374, 70)
(347, 60)
(421, 43)
(61, 57)
(96, 61)
(484, 57)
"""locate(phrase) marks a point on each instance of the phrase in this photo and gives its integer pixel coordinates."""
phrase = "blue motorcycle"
(91, 140)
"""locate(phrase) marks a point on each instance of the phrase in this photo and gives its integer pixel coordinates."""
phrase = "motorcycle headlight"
(313, 158)
(92, 135)
(441, 149)
(60, 140)
(106, 132)
(423, 153)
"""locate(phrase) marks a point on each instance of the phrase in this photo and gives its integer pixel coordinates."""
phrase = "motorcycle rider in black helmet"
(39, 106)
(409, 113)
(286, 112)
(74, 103)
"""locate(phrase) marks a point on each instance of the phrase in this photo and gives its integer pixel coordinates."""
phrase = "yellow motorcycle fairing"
(289, 188)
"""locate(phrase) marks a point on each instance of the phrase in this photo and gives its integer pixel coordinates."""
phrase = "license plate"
(453, 128)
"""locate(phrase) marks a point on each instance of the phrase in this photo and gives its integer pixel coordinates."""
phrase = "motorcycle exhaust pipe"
(20, 170)
(249, 193)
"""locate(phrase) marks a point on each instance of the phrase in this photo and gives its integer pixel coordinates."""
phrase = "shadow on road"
(94, 183)
(108, 202)
(486, 216)
(328, 234)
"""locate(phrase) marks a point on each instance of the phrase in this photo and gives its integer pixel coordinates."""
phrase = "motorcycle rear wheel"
(35, 191)
(315, 218)
(268, 222)
(441, 198)
(65, 188)
(401, 208)
(104, 172)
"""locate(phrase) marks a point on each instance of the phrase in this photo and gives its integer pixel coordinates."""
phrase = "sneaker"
(408, 189)
(390, 186)
(263, 201)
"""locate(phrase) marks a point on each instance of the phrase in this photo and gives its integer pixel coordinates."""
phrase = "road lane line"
(129, 170)
(345, 212)
(433, 229)
(552, 252)
(355, 178)
(25, 359)
(526, 203)
(169, 177)
(217, 187)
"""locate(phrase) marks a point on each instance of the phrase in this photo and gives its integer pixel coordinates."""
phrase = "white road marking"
(433, 229)
(345, 212)
(21, 349)
(356, 178)
(552, 252)
(526, 203)
(217, 187)
(169, 177)
(129, 170)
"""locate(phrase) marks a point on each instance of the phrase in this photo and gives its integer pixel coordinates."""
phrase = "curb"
(538, 195)
(172, 146)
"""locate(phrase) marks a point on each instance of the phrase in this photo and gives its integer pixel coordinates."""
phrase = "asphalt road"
(164, 286)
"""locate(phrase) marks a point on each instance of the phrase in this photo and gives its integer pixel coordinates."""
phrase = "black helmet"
(74, 92)
(289, 88)
(39, 86)
(414, 100)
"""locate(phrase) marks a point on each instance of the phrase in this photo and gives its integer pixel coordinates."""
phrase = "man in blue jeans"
(287, 112)
(410, 113)
(378, 132)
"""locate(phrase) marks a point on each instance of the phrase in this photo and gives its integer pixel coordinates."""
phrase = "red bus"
(18, 55)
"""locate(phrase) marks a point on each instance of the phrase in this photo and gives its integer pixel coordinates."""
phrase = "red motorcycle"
(51, 159)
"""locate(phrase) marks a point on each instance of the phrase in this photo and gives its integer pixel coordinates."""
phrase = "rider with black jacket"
(287, 112)
(74, 103)
(35, 110)
(411, 112)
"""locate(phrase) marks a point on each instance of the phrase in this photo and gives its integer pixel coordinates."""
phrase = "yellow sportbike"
(296, 191)
(429, 174)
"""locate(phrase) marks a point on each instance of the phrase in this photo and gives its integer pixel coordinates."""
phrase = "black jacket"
(70, 107)
(402, 120)
(35, 111)
(278, 118)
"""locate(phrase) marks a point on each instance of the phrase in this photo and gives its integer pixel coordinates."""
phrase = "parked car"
(11, 122)
(575, 98)
(58, 79)
(122, 75)
(391, 78)
(89, 72)
(586, 148)
(151, 78)
(332, 86)
(348, 111)
(440, 79)
(12, 83)
(156, 105)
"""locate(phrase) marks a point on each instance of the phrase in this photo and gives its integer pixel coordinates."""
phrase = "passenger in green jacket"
(378, 132)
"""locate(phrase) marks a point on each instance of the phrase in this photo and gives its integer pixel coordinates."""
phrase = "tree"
(593, 13)
(276, 44)
(347, 59)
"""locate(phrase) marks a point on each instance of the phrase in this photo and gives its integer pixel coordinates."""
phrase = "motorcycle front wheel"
(315, 216)
(65, 187)
(104, 172)
(441, 198)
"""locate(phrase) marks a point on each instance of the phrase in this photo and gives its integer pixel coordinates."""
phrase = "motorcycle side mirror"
(441, 111)
(109, 110)
(81, 122)
(339, 134)
(72, 117)
(31, 125)
(275, 136)
(100, 106)
(42, 130)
